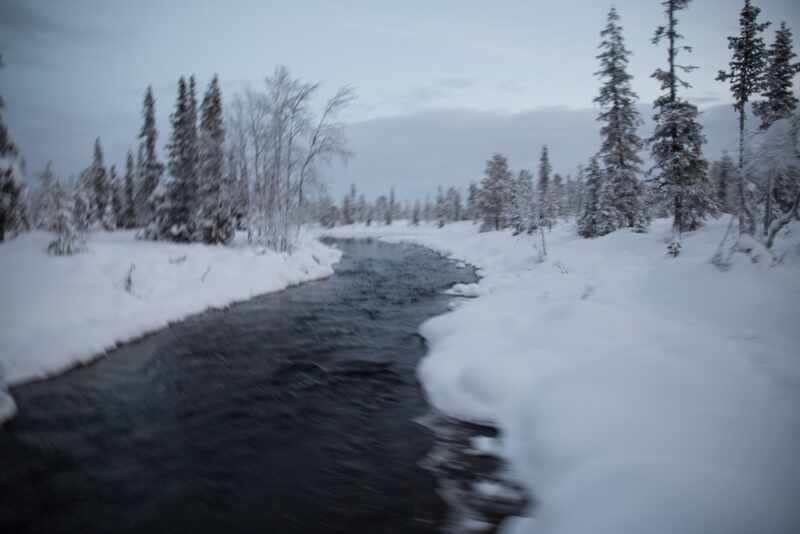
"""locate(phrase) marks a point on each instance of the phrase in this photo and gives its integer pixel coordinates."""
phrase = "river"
(292, 412)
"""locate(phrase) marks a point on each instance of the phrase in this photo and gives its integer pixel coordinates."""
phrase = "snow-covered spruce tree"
(779, 103)
(453, 204)
(81, 214)
(473, 194)
(117, 197)
(546, 208)
(176, 220)
(215, 217)
(361, 208)
(746, 75)
(99, 190)
(619, 151)
(556, 195)
(520, 214)
(779, 100)
(61, 222)
(149, 170)
(347, 210)
(415, 213)
(495, 192)
(41, 210)
(390, 208)
(597, 216)
(128, 197)
(13, 209)
(679, 173)
(440, 210)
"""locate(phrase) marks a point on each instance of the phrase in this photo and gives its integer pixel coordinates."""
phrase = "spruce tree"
(390, 208)
(495, 192)
(521, 203)
(546, 207)
(117, 198)
(588, 221)
(61, 221)
(679, 172)
(181, 192)
(99, 188)
(779, 100)
(556, 195)
(440, 210)
(129, 202)
(415, 213)
(746, 75)
(472, 202)
(150, 169)
(779, 103)
(619, 151)
(347, 210)
(43, 210)
(216, 187)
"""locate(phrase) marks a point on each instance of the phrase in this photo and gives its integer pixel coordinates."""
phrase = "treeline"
(612, 190)
(249, 170)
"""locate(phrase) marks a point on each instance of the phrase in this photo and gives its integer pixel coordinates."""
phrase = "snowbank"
(637, 392)
(61, 311)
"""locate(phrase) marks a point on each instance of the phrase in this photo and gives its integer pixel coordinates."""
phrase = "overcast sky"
(77, 69)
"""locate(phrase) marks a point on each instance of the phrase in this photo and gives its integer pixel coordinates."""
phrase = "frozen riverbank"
(637, 392)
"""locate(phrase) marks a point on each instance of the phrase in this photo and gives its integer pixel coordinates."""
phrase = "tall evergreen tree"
(494, 192)
(440, 210)
(415, 213)
(117, 198)
(619, 151)
(129, 203)
(746, 75)
(98, 187)
(588, 222)
(216, 187)
(520, 216)
(390, 208)
(473, 195)
(779, 100)
(150, 170)
(679, 172)
(60, 219)
(181, 193)
(547, 211)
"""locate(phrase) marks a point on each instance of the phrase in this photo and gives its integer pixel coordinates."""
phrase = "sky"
(77, 69)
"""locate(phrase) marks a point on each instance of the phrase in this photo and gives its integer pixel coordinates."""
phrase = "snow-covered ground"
(61, 311)
(637, 392)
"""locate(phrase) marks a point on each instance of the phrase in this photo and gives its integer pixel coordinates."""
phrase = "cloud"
(417, 152)
(427, 94)
(17, 16)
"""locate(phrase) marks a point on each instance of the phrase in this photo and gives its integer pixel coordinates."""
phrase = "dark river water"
(292, 412)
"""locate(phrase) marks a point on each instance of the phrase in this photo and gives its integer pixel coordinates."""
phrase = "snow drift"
(62, 311)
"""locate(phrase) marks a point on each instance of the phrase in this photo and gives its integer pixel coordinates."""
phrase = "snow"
(63, 311)
(636, 392)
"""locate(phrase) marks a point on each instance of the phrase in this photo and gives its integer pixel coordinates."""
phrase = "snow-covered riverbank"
(637, 392)
(62, 311)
